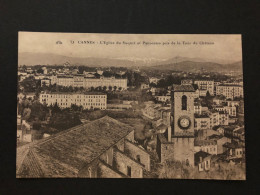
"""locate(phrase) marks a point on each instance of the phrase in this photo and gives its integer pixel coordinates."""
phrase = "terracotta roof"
(185, 88)
(65, 153)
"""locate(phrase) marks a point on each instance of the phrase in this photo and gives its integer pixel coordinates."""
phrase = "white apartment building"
(65, 100)
(197, 108)
(205, 85)
(163, 98)
(230, 91)
(231, 110)
(82, 81)
(202, 122)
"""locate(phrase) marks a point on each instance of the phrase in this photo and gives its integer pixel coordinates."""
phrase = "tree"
(110, 88)
(115, 87)
(56, 108)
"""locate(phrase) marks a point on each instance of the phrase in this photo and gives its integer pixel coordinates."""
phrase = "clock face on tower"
(184, 122)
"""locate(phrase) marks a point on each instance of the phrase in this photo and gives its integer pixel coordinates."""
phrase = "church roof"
(183, 88)
(65, 153)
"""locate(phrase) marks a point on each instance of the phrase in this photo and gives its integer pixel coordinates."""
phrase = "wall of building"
(211, 148)
(183, 149)
(81, 81)
(121, 162)
(107, 156)
(131, 136)
(220, 144)
(167, 152)
(105, 171)
(120, 145)
(65, 100)
(90, 170)
(137, 153)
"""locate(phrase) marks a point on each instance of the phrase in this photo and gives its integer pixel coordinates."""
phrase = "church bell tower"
(182, 134)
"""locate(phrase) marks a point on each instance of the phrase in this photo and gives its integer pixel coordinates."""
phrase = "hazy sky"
(227, 47)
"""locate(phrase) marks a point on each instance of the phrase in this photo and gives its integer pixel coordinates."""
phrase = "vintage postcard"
(166, 106)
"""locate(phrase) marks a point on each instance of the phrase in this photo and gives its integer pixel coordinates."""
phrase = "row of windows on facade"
(78, 96)
(76, 100)
(84, 104)
(209, 150)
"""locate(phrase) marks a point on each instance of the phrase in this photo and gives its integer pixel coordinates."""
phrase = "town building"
(234, 150)
(203, 161)
(177, 142)
(45, 82)
(214, 118)
(144, 86)
(230, 110)
(220, 140)
(209, 146)
(201, 93)
(163, 98)
(197, 108)
(187, 82)
(205, 85)
(230, 91)
(201, 122)
(88, 100)
(85, 82)
(217, 100)
(223, 118)
(153, 80)
(104, 148)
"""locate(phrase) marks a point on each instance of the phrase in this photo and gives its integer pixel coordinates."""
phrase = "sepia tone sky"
(227, 47)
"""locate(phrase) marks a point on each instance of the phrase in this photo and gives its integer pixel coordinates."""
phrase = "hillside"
(54, 59)
(191, 66)
(177, 63)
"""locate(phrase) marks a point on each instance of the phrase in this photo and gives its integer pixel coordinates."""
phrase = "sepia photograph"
(159, 106)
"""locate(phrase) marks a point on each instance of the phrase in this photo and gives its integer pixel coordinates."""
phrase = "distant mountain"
(176, 63)
(54, 59)
(191, 66)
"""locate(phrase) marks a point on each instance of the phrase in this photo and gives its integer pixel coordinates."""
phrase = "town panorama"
(183, 119)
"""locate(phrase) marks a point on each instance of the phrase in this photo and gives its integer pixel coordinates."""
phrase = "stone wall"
(137, 153)
(165, 149)
(184, 149)
(89, 171)
(105, 171)
(167, 152)
(120, 145)
(131, 136)
(122, 162)
(107, 156)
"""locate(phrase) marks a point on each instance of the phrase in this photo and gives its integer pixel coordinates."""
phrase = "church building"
(177, 141)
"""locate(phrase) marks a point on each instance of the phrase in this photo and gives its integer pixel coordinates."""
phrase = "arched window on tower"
(184, 102)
